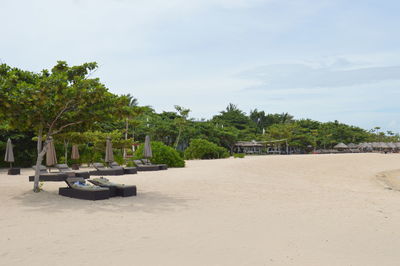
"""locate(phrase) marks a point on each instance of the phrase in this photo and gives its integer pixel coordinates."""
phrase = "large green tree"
(54, 101)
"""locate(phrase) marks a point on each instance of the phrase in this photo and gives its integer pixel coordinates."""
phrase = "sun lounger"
(48, 177)
(161, 166)
(120, 189)
(63, 168)
(127, 170)
(146, 165)
(102, 170)
(79, 189)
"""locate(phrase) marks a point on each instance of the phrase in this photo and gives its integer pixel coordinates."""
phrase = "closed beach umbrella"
(109, 152)
(75, 152)
(9, 153)
(147, 153)
(51, 157)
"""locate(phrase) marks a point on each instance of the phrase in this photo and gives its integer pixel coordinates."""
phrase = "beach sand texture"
(261, 210)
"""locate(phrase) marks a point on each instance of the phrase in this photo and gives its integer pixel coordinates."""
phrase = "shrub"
(203, 149)
(238, 155)
(162, 154)
(130, 163)
(118, 158)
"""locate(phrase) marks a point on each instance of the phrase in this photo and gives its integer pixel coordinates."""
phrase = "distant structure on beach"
(282, 147)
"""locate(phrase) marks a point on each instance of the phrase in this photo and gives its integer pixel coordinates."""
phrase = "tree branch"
(59, 115)
(64, 126)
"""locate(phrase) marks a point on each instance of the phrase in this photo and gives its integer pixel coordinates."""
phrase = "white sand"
(266, 210)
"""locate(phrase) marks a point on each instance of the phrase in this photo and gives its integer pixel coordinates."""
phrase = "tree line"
(71, 106)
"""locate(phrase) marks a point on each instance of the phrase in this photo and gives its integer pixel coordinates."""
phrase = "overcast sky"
(318, 59)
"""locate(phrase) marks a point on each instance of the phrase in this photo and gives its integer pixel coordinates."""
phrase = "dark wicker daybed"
(48, 177)
(79, 189)
(120, 189)
(127, 170)
(63, 168)
(102, 170)
(146, 165)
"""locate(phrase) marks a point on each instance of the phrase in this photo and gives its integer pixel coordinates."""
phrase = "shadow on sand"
(145, 201)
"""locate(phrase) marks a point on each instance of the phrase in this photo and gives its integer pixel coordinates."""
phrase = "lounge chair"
(48, 177)
(146, 165)
(63, 168)
(127, 170)
(161, 166)
(120, 189)
(102, 170)
(79, 189)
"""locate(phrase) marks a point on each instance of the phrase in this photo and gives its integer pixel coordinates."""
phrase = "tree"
(54, 101)
(233, 116)
(180, 121)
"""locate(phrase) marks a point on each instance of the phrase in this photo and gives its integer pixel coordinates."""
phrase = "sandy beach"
(264, 210)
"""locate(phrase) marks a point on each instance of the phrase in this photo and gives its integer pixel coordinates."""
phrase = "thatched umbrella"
(383, 145)
(375, 145)
(147, 153)
(369, 146)
(75, 152)
(109, 151)
(391, 145)
(51, 156)
(352, 146)
(340, 146)
(9, 157)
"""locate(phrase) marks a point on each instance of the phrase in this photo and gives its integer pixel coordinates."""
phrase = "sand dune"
(264, 210)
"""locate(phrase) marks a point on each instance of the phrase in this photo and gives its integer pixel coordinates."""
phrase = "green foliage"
(130, 163)
(233, 117)
(119, 159)
(238, 155)
(162, 154)
(76, 109)
(203, 149)
(24, 147)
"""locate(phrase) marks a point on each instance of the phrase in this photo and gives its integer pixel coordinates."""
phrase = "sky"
(318, 59)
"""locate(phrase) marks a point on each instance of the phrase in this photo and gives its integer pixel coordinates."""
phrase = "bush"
(118, 158)
(238, 155)
(130, 163)
(203, 149)
(162, 154)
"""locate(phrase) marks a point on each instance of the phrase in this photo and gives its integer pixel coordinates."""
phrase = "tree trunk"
(39, 142)
(66, 151)
(126, 136)
(177, 138)
(39, 160)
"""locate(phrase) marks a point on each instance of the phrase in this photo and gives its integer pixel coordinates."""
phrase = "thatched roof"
(352, 146)
(249, 144)
(383, 145)
(391, 145)
(341, 146)
(375, 145)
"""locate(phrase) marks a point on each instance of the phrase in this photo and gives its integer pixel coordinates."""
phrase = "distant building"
(249, 147)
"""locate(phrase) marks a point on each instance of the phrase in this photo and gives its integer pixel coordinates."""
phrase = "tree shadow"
(145, 201)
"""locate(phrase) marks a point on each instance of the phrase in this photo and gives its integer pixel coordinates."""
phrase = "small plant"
(41, 184)
(238, 155)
